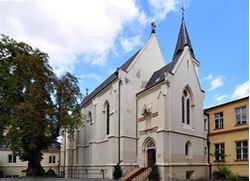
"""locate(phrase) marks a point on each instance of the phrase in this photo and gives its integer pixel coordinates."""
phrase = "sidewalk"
(51, 179)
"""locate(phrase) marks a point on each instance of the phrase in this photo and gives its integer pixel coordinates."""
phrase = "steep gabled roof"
(182, 41)
(160, 74)
(110, 79)
(129, 61)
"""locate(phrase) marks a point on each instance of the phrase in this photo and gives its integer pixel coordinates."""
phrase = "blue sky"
(92, 38)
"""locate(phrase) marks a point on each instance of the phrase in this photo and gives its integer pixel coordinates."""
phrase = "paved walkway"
(51, 179)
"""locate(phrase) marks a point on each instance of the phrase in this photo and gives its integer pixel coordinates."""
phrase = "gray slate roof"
(159, 75)
(110, 79)
(183, 40)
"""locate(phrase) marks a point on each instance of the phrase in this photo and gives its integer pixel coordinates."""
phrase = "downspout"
(136, 128)
(169, 136)
(64, 159)
(119, 121)
(59, 161)
(208, 147)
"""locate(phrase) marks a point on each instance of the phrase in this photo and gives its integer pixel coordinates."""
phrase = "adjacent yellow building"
(228, 135)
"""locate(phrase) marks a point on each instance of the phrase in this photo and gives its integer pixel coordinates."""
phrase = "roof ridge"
(110, 79)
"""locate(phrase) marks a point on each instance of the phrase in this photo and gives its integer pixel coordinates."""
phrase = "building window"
(219, 152)
(186, 107)
(241, 150)
(218, 117)
(188, 149)
(205, 150)
(11, 158)
(90, 117)
(107, 111)
(240, 115)
(183, 109)
(52, 159)
(205, 124)
(188, 111)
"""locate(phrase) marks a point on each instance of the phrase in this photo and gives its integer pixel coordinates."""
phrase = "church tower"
(184, 40)
(170, 116)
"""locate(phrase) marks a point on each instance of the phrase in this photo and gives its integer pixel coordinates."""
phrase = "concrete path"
(51, 179)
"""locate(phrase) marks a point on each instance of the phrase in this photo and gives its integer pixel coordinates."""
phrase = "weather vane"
(153, 26)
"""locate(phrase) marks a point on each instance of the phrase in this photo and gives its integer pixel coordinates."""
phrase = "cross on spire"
(182, 11)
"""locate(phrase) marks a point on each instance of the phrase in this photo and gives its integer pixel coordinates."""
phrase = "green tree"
(117, 173)
(29, 118)
(154, 174)
(68, 110)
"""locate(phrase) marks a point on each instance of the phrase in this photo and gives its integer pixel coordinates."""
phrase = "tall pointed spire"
(183, 38)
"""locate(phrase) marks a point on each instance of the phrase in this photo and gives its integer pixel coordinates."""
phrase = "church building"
(147, 112)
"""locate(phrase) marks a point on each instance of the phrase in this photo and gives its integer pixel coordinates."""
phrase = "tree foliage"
(117, 173)
(68, 110)
(34, 103)
(154, 174)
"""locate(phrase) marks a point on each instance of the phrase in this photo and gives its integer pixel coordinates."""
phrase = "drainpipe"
(169, 128)
(136, 128)
(64, 169)
(119, 121)
(208, 146)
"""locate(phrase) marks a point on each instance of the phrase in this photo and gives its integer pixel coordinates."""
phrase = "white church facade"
(147, 112)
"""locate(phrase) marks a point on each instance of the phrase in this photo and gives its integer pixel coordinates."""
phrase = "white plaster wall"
(95, 147)
(134, 80)
(155, 99)
(171, 136)
(185, 74)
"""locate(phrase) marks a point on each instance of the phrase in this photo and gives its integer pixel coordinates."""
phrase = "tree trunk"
(34, 168)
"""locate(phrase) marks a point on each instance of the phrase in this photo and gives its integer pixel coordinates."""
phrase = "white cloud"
(92, 76)
(67, 30)
(209, 77)
(241, 90)
(160, 8)
(128, 44)
(220, 98)
(216, 83)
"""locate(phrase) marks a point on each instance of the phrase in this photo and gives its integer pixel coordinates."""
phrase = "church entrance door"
(151, 157)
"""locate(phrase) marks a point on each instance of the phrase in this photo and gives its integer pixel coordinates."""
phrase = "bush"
(51, 173)
(224, 172)
(117, 173)
(234, 177)
(154, 174)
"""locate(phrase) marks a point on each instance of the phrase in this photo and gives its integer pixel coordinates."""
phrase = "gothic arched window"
(188, 149)
(188, 111)
(185, 106)
(90, 117)
(107, 112)
(183, 109)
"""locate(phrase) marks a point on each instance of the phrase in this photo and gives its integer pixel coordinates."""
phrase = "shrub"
(50, 173)
(117, 173)
(224, 172)
(234, 177)
(154, 174)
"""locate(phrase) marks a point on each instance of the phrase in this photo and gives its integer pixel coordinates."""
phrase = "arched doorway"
(151, 157)
(150, 152)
